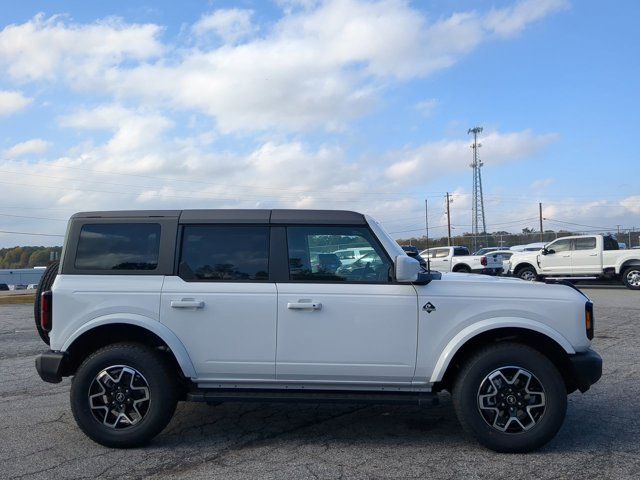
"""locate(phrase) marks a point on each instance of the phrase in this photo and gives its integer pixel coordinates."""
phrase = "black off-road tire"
(629, 276)
(466, 391)
(46, 281)
(163, 392)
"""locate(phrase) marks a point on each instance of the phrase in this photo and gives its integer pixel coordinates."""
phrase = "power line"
(32, 233)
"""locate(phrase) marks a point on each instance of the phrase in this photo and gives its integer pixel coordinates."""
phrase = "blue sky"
(306, 104)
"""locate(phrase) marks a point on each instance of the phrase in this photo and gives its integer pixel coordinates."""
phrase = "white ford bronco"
(148, 308)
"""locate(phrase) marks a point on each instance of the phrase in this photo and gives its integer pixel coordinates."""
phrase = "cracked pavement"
(600, 437)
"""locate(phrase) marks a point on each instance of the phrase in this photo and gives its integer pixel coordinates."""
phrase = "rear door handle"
(187, 303)
(304, 306)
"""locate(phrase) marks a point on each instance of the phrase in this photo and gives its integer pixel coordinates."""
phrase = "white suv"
(149, 308)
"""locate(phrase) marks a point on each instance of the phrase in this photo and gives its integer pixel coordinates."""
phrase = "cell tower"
(478, 224)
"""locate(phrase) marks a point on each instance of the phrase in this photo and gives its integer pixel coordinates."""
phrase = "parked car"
(485, 250)
(505, 256)
(350, 255)
(32, 286)
(580, 257)
(529, 247)
(4, 287)
(413, 252)
(19, 286)
(150, 308)
(458, 259)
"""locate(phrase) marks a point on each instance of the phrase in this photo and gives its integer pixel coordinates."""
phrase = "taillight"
(483, 261)
(588, 319)
(46, 311)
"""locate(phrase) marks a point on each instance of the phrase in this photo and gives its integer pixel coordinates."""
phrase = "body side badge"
(428, 307)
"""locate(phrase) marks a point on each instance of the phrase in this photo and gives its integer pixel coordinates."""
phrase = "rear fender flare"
(154, 326)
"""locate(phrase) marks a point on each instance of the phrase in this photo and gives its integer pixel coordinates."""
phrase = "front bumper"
(587, 369)
(50, 366)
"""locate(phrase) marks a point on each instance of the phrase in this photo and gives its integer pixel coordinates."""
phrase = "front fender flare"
(471, 331)
(154, 326)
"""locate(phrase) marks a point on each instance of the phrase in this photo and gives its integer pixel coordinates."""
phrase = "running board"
(572, 278)
(311, 396)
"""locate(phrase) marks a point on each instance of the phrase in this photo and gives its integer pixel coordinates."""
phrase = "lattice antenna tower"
(478, 223)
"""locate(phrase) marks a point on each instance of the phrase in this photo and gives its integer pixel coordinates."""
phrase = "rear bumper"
(587, 367)
(50, 366)
(490, 271)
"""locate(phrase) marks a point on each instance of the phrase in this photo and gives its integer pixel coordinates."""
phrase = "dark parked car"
(4, 287)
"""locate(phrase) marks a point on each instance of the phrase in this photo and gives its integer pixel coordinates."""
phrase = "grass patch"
(17, 299)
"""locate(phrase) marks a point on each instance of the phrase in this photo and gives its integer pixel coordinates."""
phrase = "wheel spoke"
(119, 396)
(511, 399)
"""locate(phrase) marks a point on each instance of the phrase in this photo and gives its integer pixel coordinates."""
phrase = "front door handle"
(187, 303)
(304, 306)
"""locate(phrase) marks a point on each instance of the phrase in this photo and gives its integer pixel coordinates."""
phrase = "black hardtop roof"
(276, 216)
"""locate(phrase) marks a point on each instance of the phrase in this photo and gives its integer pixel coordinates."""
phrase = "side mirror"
(548, 251)
(407, 269)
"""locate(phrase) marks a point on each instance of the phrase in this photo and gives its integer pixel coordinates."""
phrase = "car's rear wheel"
(46, 282)
(510, 397)
(124, 394)
(631, 277)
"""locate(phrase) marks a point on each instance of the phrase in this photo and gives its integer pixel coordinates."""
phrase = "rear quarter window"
(118, 246)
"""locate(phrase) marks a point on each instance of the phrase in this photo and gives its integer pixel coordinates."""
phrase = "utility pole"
(477, 220)
(541, 229)
(448, 221)
(618, 236)
(426, 223)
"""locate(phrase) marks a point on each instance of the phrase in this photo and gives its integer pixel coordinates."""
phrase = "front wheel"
(631, 278)
(510, 398)
(527, 273)
(124, 394)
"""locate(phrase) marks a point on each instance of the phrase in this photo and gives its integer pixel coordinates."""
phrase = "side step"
(572, 278)
(311, 396)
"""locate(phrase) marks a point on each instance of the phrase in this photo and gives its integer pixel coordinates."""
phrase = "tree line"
(27, 257)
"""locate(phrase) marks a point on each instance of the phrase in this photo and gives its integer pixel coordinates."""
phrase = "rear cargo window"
(224, 253)
(118, 246)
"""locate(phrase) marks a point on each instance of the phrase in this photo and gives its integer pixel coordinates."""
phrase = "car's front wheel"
(527, 273)
(124, 394)
(510, 397)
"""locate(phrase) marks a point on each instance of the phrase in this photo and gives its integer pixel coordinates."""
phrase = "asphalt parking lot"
(600, 437)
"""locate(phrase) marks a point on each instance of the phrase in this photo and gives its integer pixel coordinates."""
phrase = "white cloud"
(320, 65)
(230, 25)
(427, 161)
(512, 20)
(132, 129)
(427, 107)
(542, 183)
(46, 47)
(30, 147)
(12, 102)
(632, 204)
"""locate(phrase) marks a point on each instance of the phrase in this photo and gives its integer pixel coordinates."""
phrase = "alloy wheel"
(511, 399)
(119, 396)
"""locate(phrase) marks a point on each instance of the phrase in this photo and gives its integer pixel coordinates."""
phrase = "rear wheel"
(463, 269)
(124, 394)
(631, 277)
(46, 282)
(510, 398)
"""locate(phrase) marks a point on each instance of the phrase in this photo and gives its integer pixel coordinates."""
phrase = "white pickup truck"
(580, 257)
(458, 259)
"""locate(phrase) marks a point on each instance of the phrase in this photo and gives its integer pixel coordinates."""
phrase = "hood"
(473, 284)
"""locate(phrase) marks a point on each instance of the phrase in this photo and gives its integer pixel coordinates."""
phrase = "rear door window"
(588, 243)
(224, 253)
(118, 246)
